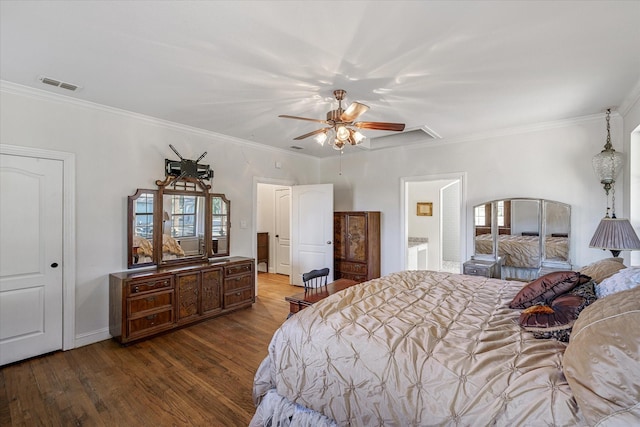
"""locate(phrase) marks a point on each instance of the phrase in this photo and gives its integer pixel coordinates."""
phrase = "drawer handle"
(238, 294)
(152, 316)
(136, 289)
(151, 299)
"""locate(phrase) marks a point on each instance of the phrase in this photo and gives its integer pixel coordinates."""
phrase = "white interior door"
(312, 230)
(30, 257)
(283, 231)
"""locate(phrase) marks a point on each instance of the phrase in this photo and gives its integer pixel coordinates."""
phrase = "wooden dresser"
(144, 303)
(356, 245)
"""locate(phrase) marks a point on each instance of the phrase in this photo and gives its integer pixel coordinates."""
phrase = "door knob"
(328, 242)
(54, 264)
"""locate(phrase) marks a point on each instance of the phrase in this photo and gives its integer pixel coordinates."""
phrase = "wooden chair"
(315, 278)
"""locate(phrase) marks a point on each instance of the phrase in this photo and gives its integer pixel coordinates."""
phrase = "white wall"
(116, 153)
(552, 161)
(631, 207)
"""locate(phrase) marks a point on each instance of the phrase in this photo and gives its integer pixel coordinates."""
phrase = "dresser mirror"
(141, 217)
(526, 236)
(170, 226)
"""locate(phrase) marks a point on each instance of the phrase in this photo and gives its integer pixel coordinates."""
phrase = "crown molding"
(630, 100)
(39, 94)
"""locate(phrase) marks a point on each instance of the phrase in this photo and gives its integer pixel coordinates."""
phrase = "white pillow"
(624, 279)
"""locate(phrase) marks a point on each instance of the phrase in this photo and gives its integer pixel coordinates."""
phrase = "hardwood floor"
(201, 375)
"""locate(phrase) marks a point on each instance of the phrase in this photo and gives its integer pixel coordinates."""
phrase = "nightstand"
(479, 267)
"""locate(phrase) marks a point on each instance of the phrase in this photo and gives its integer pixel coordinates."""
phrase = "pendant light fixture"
(607, 164)
(613, 234)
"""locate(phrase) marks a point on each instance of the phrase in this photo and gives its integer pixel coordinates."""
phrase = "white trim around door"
(69, 233)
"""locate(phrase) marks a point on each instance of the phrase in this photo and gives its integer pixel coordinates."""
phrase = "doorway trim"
(404, 226)
(68, 236)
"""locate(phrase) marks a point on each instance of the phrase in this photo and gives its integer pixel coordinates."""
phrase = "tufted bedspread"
(415, 348)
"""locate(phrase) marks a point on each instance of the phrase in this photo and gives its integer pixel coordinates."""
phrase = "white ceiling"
(454, 68)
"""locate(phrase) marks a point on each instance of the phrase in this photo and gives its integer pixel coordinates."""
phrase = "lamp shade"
(615, 234)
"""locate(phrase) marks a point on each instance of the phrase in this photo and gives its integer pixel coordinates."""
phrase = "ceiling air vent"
(58, 83)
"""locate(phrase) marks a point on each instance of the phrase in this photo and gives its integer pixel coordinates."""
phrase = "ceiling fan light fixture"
(356, 137)
(342, 133)
(337, 144)
(340, 122)
(321, 138)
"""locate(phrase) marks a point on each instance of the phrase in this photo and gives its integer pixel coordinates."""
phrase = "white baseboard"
(92, 337)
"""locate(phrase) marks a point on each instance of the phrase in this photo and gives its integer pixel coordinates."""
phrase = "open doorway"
(434, 217)
(273, 207)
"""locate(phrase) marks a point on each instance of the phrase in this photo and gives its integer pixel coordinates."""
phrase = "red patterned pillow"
(544, 289)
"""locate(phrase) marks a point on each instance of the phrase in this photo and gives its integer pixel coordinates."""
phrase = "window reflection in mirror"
(483, 236)
(140, 236)
(183, 226)
(219, 225)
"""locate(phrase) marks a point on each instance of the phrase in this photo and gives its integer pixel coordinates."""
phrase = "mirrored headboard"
(526, 235)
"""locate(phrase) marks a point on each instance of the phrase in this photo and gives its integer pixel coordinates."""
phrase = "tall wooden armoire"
(356, 245)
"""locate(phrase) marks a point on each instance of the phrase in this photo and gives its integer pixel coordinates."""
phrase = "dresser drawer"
(160, 320)
(475, 270)
(150, 302)
(481, 268)
(238, 282)
(352, 267)
(355, 277)
(155, 284)
(238, 297)
(238, 269)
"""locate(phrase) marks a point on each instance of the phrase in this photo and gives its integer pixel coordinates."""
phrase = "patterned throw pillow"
(544, 289)
(556, 320)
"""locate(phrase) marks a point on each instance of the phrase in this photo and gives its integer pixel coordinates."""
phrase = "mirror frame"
(196, 188)
(131, 200)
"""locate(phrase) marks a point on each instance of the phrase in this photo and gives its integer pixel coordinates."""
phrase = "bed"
(143, 249)
(419, 348)
(524, 251)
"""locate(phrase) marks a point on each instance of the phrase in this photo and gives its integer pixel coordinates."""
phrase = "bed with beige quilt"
(422, 348)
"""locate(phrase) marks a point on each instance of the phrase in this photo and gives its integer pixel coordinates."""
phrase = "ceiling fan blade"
(303, 118)
(353, 112)
(307, 135)
(380, 126)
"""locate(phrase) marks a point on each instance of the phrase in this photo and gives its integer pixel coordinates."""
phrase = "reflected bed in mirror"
(527, 236)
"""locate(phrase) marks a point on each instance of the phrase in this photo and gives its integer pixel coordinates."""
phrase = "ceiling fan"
(340, 122)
